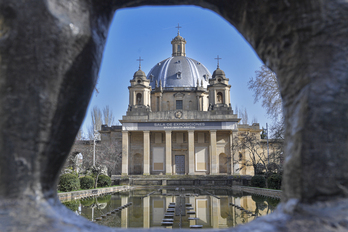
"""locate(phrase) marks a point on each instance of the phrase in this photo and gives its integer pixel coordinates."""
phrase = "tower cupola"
(178, 45)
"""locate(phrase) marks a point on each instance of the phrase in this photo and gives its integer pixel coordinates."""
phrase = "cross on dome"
(178, 28)
(218, 62)
(139, 62)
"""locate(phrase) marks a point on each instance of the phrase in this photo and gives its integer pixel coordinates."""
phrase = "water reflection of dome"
(102, 205)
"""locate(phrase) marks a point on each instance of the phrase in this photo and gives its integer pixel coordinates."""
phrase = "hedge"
(274, 181)
(68, 182)
(86, 182)
(104, 181)
(258, 181)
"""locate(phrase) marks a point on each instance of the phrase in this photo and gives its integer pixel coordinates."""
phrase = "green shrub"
(258, 181)
(274, 181)
(104, 199)
(86, 182)
(273, 203)
(72, 205)
(104, 181)
(68, 182)
(87, 202)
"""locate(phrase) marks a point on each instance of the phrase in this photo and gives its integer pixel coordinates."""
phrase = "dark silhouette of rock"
(50, 54)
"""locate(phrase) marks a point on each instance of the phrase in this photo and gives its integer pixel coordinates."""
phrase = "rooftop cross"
(178, 28)
(139, 62)
(218, 62)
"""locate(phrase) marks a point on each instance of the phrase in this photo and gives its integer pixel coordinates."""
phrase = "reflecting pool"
(174, 208)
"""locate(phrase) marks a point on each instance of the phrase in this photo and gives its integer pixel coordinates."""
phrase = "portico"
(177, 148)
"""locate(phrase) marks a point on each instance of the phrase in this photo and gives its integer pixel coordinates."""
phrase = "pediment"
(179, 95)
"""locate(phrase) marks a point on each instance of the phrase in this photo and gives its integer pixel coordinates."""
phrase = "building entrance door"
(180, 164)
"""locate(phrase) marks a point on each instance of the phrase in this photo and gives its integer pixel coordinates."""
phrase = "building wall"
(190, 99)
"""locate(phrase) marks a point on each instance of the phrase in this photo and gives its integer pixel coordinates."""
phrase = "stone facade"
(180, 121)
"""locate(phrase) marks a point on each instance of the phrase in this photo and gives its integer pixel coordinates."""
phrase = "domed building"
(179, 119)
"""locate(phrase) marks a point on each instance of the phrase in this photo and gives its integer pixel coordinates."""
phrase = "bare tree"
(265, 87)
(96, 116)
(108, 116)
(111, 156)
(79, 135)
(249, 144)
(254, 120)
(243, 115)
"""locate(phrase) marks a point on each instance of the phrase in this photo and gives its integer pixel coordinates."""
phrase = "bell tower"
(139, 92)
(219, 90)
(178, 45)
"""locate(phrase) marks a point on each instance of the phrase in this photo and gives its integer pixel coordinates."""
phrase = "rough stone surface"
(50, 54)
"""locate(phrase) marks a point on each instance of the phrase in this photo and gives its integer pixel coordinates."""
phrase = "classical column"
(169, 153)
(231, 153)
(146, 212)
(124, 152)
(215, 209)
(124, 213)
(234, 152)
(191, 151)
(213, 155)
(146, 152)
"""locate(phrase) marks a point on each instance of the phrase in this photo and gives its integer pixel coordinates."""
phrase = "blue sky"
(148, 31)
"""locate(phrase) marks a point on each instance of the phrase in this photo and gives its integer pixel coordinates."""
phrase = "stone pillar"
(231, 153)
(191, 151)
(124, 152)
(214, 165)
(146, 152)
(146, 212)
(124, 213)
(215, 209)
(169, 165)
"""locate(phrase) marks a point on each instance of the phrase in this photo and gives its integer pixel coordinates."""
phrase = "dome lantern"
(178, 45)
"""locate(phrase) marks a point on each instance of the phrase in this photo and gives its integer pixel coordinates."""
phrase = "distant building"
(179, 121)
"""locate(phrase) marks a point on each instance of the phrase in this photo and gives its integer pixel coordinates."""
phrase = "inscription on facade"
(179, 126)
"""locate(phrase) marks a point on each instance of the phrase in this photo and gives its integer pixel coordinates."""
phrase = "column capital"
(211, 131)
(146, 132)
(168, 131)
(190, 131)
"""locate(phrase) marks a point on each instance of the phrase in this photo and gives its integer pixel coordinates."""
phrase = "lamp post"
(267, 144)
(94, 140)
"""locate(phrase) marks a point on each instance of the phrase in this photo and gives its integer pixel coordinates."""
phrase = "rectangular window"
(179, 104)
(158, 158)
(201, 158)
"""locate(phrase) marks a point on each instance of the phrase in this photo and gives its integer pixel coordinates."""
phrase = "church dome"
(139, 73)
(179, 71)
(218, 72)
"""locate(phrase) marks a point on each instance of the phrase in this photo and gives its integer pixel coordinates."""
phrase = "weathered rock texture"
(50, 54)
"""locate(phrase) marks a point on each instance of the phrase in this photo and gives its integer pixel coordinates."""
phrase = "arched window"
(139, 98)
(219, 97)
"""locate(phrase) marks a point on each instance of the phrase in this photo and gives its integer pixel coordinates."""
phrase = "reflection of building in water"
(212, 212)
(148, 211)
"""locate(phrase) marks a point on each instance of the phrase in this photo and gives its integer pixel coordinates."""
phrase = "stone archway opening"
(303, 42)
